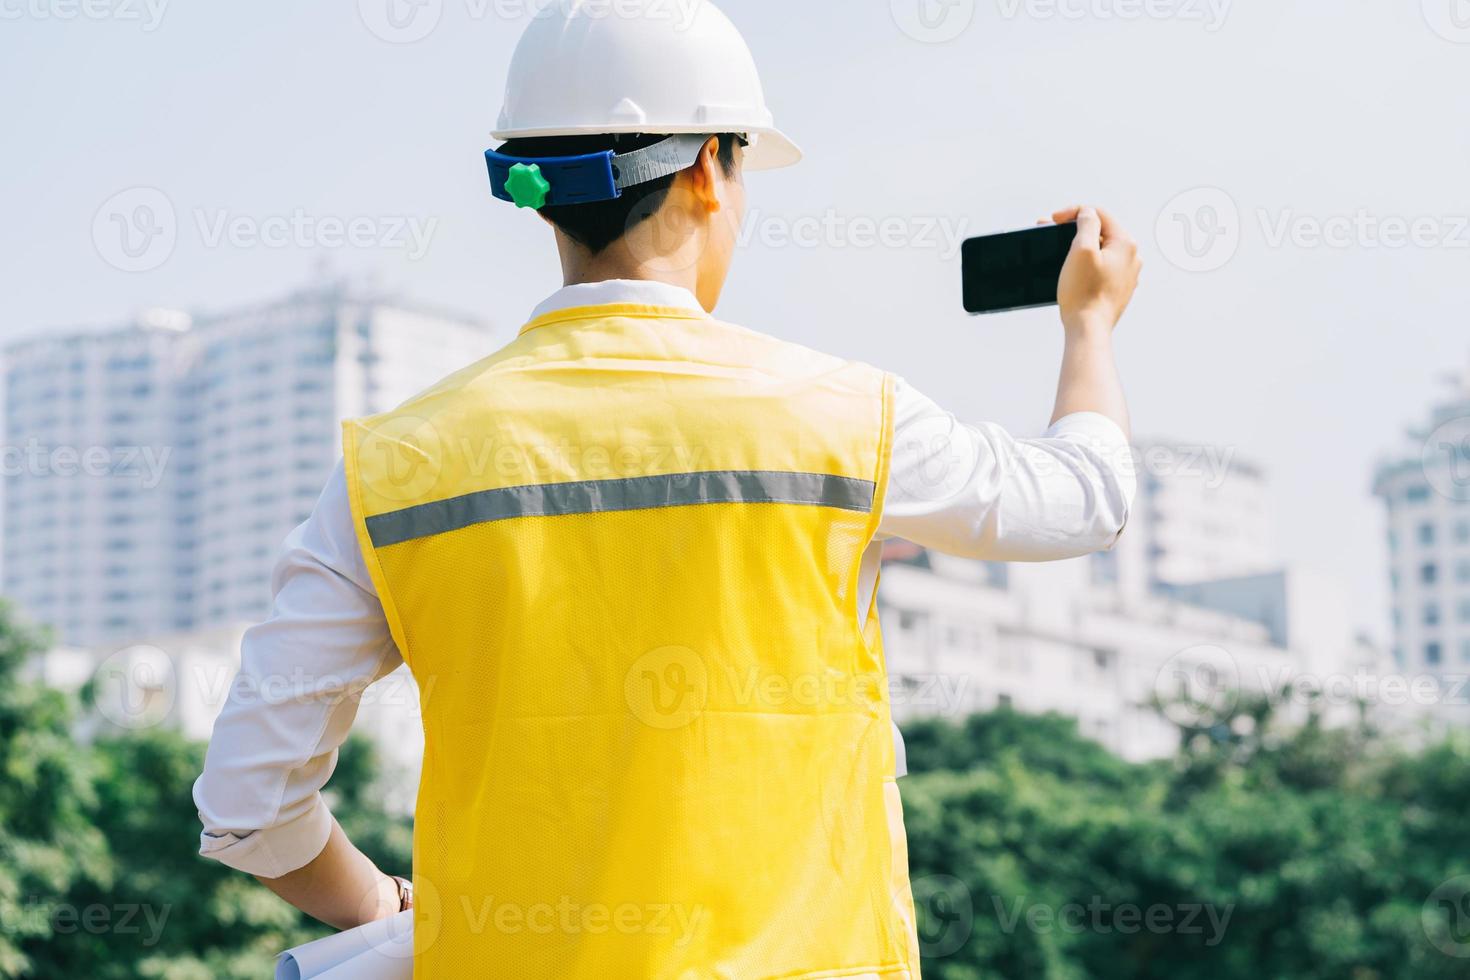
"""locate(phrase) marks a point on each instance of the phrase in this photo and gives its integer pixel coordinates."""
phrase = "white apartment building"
(1426, 490)
(1202, 513)
(962, 637)
(1188, 605)
(152, 470)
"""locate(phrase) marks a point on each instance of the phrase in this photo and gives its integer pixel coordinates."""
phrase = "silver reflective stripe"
(637, 493)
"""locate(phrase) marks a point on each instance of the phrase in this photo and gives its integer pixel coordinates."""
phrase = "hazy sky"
(1330, 140)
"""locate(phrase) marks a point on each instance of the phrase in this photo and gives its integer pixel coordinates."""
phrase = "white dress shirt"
(967, 490)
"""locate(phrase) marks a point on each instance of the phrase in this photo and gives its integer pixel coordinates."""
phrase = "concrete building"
(1425, 489)
(1202, 513)
(1190, 610)
(153, 469)
(181, 681)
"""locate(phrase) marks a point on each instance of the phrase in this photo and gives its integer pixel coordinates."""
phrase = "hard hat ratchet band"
(536, 182)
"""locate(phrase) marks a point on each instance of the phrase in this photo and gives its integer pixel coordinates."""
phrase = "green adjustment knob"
(526, 186)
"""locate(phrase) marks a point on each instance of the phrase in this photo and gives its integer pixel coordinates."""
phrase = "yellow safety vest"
(621, 557)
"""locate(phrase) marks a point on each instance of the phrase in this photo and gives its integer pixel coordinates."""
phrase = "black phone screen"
(1017, 270)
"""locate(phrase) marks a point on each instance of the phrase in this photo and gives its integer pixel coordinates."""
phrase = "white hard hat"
(589, 67)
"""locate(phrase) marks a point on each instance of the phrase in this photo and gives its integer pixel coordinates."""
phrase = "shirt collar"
(639, 292)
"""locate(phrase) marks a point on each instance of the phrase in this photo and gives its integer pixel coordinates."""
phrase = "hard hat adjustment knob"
(527, 187)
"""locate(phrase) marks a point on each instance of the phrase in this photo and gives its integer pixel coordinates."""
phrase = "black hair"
(598, 225)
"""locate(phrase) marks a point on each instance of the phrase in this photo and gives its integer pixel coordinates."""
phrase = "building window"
(1465, 610)
(1462, 572)
(1462, 532)
(1431, 614)
(1417, 495)
(1426, 534)
(1465, 651)
(1429, 574)
(1433, 654)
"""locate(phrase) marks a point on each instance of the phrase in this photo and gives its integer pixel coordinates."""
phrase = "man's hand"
(1096, 285)
(1101, 273)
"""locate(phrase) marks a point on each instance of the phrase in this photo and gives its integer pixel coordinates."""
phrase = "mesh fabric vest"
(621, 557)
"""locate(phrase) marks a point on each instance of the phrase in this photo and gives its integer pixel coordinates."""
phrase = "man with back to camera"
(595, 547)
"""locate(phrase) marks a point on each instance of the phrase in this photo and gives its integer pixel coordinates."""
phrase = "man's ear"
(706, 175)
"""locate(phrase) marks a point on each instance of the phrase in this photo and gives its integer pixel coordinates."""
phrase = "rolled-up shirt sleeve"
(977, 492)
(292, 704)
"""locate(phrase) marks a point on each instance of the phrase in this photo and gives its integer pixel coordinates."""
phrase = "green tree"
(48, 842)
(99, 871)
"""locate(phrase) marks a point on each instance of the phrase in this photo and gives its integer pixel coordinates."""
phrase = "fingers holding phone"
(1101, 271)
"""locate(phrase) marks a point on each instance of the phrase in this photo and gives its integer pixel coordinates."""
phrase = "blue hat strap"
(590, 177)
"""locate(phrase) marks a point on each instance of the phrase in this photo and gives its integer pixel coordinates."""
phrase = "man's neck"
(618, 261)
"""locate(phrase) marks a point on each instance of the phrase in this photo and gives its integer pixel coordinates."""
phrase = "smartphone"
(1016, 270)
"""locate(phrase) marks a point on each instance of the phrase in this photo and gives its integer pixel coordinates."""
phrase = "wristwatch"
(405, 893)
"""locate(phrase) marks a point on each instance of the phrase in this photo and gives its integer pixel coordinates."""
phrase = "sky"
(1295, 172)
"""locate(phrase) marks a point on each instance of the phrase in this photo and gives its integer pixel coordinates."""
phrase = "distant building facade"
(1202, 513)
(153, 470)
(1425, 489)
